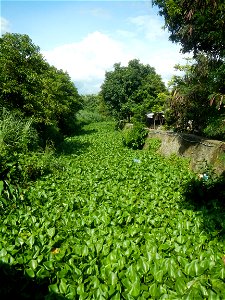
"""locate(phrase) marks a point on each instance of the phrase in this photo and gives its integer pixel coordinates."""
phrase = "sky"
(86, 38)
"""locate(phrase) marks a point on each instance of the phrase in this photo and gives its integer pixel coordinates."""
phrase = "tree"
(33, 87)
(194, 103)
(198, 25)
(198, 97)
(131, 89)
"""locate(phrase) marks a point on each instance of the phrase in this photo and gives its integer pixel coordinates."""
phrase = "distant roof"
(151, 114)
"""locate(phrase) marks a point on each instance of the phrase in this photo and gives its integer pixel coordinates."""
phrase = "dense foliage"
(197, 25)
(135, 136)
(132, 90)
(198, 98)
(197, 103)
(113, 224)
(92, 109)
(34, 88)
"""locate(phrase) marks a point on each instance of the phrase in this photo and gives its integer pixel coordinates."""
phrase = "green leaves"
(51, 231)
(131, 90)
(109, 228)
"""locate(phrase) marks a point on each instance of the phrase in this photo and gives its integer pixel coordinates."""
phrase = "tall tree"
(127, 88)
(33, 87)
(198, 25)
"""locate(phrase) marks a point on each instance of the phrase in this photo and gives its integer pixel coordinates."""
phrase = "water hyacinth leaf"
(218, 285)
(112, 278)
(180, 286)
(135, 288)
(158, 276)
(126, 282)
(51, 231)
(33, 264)
(30, 241)
(181, 239)
(154, 291)
(194, 269)
(53, 288)
(48, 265)
(84, 250)
(80, 289)
(213, 295)
(30, 273)
(132, 273)
(72, 292)
(164, 246)
(3, 252)
(63, 286)
(1, 186)
(39, 258)
(221, 273)
(116, 296)
(5, 259)
(143, 265)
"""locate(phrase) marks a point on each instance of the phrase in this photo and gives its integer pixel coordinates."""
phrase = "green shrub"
(16, 134)
(86, 117)
(216, 128)
(120, 124)
(134, 137)
(49, 134)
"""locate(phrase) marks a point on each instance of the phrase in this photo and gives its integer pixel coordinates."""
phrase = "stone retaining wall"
(201, 151)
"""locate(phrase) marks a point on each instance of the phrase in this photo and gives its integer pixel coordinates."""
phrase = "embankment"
(199, 150)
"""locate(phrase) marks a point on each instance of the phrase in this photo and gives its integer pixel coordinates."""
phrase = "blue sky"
(85, 38)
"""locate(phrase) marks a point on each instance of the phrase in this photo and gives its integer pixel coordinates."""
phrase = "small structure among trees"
(155, 119)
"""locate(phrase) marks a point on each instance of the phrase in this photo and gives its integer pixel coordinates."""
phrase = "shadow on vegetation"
(69, 147)
(207, 194)
(83, 131)
(15, 285)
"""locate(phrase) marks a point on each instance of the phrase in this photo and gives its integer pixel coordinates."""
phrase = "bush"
(134, 137)
(16, 134)
(87, 117)
(120, 124)
(49, 134)
(216, 128)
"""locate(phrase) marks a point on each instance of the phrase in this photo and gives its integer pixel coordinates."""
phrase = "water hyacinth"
(125, 232)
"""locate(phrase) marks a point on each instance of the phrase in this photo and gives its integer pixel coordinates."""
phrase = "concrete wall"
(201, 151)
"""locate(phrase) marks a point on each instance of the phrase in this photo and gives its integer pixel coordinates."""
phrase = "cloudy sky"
(86, 38)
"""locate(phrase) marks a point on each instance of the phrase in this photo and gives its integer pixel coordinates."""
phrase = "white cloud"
(150, 26)
(4, 25)
(88, 59)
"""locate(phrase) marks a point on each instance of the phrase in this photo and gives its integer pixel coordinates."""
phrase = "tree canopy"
(198, 25)
(133, 88)
(33, 87)
(197, 99)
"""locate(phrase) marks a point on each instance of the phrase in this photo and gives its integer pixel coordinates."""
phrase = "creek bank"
(201, 151)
